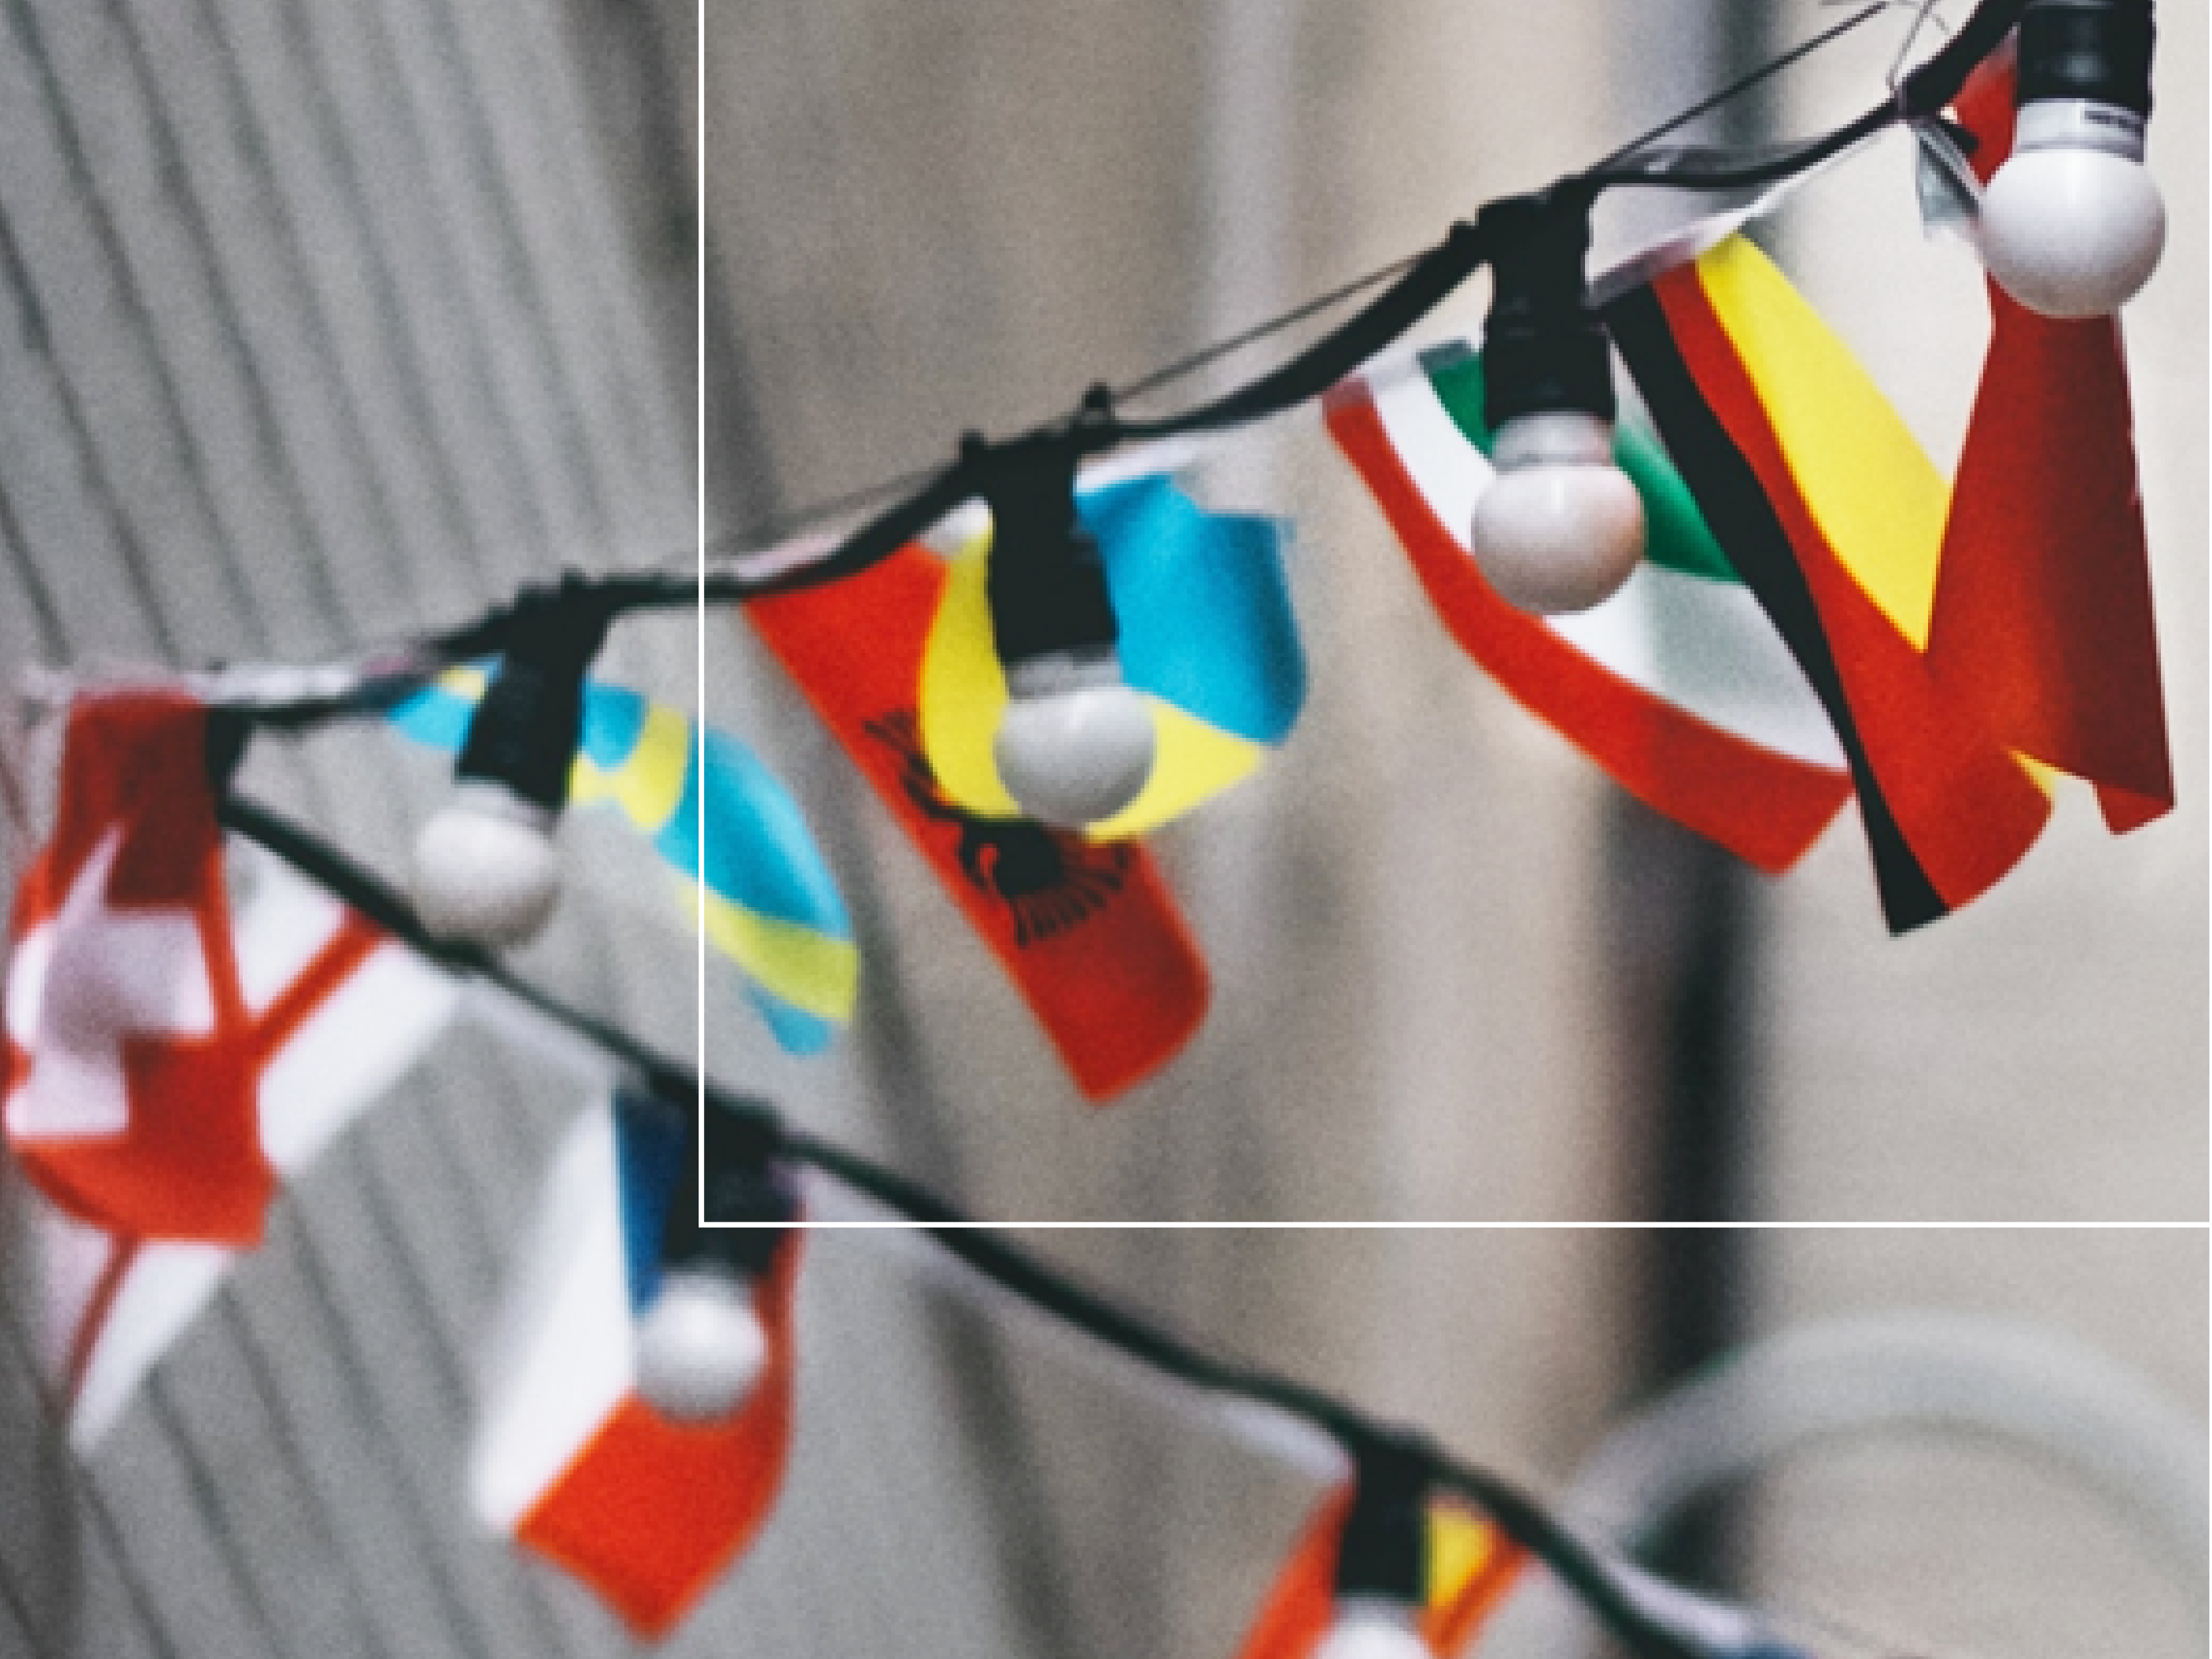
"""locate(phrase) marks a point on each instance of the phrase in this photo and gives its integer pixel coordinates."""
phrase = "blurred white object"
(1372, 1627)
(700, 1347)
(486, 868)
(1979, 1379)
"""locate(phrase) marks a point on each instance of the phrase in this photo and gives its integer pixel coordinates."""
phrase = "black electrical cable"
(1416, 286)
(1611, 1596)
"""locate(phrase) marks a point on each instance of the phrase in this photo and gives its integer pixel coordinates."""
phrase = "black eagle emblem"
(1049, 881)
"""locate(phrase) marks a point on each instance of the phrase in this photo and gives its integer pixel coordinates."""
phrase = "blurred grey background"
(332, 320)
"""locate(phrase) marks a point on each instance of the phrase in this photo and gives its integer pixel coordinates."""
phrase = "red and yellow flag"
(1087, 931)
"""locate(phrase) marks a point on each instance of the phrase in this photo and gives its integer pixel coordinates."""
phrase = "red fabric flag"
(133, 1066)
(1472, 1567)
(1088, 931)
(653, 1511)
(2043, 604)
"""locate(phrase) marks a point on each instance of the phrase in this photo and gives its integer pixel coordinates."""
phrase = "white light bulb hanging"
(1382, 1566)
(486, 869)
(2072, 224)
(700, 1348)
(1076, 744)
(1560, 527)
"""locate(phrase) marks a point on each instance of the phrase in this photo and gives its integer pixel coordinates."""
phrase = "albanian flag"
(1833, 516)
(2043, 607)
(1087, 931)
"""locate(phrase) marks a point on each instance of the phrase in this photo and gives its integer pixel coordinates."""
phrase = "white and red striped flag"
(337, 1009)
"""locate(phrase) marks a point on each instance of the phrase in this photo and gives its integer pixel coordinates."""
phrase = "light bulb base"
(487, 871)
(1077, 744)
(1373, 1627)
(1560, 528)
(700, 1347)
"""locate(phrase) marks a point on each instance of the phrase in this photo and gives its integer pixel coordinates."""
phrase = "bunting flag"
(1207, 634)
(344, 1011)
(1089, 932)
(568, 1460)
(1677, 686)
(1833, 516)
(1472, 1565)
(2043, 614)
(772, 906)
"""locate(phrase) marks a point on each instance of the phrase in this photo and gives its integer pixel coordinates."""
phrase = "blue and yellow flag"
(771, 905)
(1207, 634)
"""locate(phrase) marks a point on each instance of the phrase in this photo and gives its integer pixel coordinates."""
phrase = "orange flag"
(1088, 931)
(2043, 602)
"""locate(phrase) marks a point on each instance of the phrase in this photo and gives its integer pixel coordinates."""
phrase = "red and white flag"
(569, 1460)
(338, 1010)
(131, 1063)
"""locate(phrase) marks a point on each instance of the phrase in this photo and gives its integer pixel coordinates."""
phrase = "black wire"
(1417, 285)
(1588, 1572)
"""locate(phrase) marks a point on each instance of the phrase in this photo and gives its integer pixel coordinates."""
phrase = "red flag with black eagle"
(1088, 931)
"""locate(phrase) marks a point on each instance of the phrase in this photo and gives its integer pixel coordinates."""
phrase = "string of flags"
(1764, 603)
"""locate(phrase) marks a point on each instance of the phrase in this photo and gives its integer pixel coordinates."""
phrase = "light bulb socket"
(524, 734)
(746, 1182)
(1045, 582)
(1383, 1553)
(2096, 52)
(1544, 349)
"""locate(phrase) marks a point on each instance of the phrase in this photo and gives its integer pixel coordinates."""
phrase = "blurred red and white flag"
(131, 1060)
(337, 1011)
(568, 1460)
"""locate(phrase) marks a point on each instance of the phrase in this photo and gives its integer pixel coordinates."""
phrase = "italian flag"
(1678, 685)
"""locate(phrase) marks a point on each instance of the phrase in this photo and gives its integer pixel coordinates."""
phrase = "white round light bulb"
(1372, 1627)
(1560, 528)
(2072, 224)
(486, 869)
(1076, 744)
(700, 1346)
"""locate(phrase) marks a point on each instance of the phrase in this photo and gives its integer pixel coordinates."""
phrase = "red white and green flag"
(1678, 686)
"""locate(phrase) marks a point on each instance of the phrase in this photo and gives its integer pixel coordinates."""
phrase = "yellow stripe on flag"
(812, 971)
(1461, 1545)
(1869, 486)
(647, 783)
(963, 692)
(1193, 761)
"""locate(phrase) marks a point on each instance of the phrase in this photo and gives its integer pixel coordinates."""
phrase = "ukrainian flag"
(1206, 635)
(771, 906)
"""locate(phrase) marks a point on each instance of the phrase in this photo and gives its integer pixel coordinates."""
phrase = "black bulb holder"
(524, 733)
(1384, 1551)
(1045, 581)
(1544, 349)
(2097, 51)
(745, 1183)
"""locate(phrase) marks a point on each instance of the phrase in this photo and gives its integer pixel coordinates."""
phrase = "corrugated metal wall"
(324, 322)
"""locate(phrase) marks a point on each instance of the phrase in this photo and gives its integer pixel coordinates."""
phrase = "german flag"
(1834, 517)
(1472, 1565)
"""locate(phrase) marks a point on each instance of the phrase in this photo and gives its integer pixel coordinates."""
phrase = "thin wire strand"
(656, 585)
(1589, 1572)
(1746, 83)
